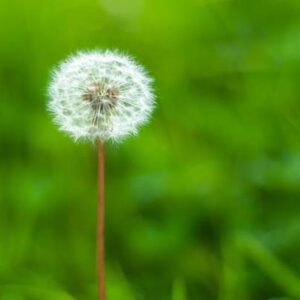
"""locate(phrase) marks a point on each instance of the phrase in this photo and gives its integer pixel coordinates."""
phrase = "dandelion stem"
(101, 210)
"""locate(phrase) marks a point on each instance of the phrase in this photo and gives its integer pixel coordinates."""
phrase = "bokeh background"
(204, 203)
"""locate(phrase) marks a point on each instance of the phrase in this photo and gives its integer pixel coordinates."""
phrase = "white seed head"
(100, 95)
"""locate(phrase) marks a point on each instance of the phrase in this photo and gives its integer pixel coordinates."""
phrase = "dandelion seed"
(100, 95)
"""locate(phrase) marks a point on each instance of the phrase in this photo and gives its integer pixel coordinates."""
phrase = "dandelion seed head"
(100, 95)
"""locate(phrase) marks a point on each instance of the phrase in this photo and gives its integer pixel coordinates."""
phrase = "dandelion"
(100, 96)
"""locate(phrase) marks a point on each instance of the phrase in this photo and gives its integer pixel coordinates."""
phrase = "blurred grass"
(204, 203)
(179, 290)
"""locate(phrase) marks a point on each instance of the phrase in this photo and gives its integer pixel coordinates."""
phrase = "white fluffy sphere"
(100, 95)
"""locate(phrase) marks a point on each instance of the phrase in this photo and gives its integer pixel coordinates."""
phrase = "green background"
(204, 203)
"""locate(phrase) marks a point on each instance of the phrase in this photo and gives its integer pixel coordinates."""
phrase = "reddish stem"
(101, 210)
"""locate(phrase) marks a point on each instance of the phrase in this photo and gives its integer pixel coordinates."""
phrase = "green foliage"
(204, 203)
